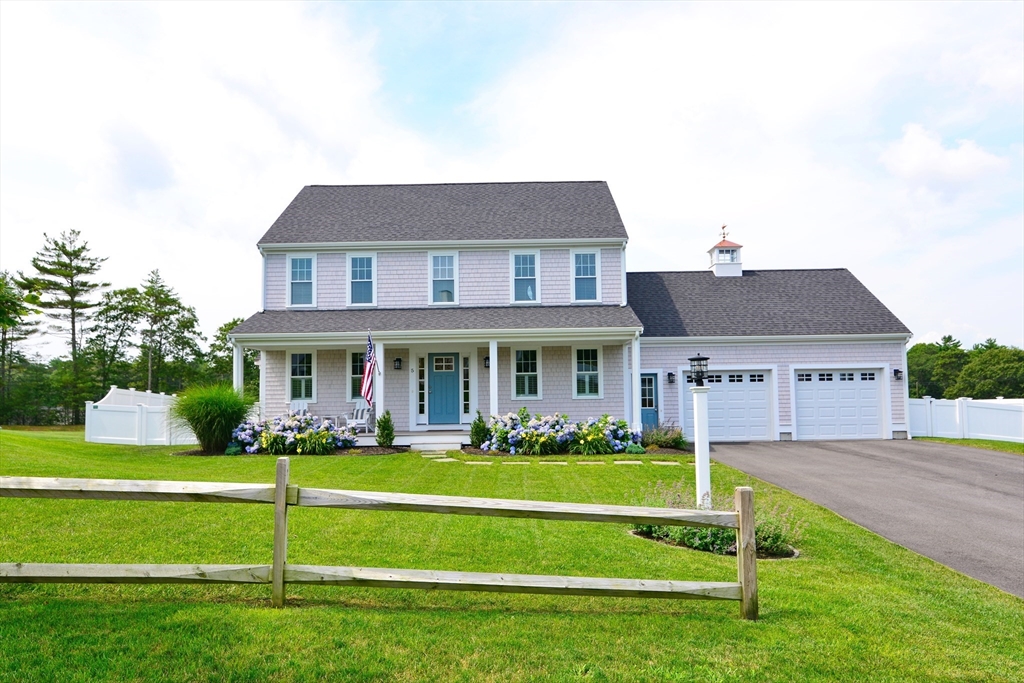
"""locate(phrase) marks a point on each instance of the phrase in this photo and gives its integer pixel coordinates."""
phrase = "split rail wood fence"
(283, 495)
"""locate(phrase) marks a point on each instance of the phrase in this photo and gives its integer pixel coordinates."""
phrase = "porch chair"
(361, 418)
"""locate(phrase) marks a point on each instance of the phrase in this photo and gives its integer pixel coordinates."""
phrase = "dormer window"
(728, 256)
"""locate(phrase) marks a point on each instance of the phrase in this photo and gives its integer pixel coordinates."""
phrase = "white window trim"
(540, 372)
(600, 373)
(348, 277)
(512, 277)
(572, 275)
(430, 277)
(288, 374)
(348, 375)
(288, 277)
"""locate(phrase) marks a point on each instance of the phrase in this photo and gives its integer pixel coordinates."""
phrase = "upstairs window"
(727, 256)
(300, 283)
(302, 377)
(442, 277)
(524, 277)
(361, 283)
(585, 276)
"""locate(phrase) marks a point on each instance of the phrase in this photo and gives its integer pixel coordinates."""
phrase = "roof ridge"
(496, 182)
(745, 270)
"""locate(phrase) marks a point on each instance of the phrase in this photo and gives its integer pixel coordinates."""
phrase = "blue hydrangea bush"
(292, 434)
(520, 434)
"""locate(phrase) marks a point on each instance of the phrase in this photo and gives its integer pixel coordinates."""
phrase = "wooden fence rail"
(282, 496)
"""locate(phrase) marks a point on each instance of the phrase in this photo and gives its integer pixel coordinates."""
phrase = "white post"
(702, 448)
(88, 426)
(237, 368)
(493, 383)
(636, 420)
(378, 387)
(263, 383)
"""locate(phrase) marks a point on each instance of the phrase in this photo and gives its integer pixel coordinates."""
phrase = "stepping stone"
(433, 455)
(444, 460)
(664, 462)
(517, 462)
(589, 462)
(478, 462)
(551, 462)
(629, 462)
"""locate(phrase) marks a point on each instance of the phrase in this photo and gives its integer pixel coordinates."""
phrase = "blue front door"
(443, 388)
(649, 401)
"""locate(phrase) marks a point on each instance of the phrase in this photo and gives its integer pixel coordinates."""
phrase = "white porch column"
(636, 420)
(237, 368)
(702, 448)
(378, 381)
(493, 384)
(263, 383)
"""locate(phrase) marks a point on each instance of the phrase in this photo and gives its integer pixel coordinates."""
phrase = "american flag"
(369, 367)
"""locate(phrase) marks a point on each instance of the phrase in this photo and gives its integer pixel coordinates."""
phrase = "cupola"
(725, 258)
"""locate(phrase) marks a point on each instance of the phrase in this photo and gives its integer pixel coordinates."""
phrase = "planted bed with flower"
(520, 434)
(291, 434)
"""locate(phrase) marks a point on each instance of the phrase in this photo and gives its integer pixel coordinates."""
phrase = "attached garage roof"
(334, 214)
(429, 319)
(758, 303)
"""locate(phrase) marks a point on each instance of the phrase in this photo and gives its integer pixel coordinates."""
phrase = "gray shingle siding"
(323, 214)
(759, 303)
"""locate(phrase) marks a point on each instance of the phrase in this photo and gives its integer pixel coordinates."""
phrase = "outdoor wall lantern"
(398, 364)
(671, 377)
(487, 361)
(699, 369)
(897, 374)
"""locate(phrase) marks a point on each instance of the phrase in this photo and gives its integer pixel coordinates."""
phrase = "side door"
(649, 401)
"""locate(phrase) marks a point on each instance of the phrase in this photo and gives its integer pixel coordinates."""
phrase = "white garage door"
(739, 406)
(839, 404)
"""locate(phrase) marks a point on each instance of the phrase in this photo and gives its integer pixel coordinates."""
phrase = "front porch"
(426, 442)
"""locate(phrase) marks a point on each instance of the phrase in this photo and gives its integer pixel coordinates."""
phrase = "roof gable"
(340, 214)
(758, 303)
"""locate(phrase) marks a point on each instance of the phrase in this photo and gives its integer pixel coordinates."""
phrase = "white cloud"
(920, 158)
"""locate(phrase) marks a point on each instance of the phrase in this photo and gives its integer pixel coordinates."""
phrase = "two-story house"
(495, 296)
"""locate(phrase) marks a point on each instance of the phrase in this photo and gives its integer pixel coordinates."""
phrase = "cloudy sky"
(883, 138)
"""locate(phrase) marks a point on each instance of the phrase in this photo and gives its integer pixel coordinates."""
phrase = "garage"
(838, 404)
(739, 405)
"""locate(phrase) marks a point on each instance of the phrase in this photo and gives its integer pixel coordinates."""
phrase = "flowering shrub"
(519, 434)
(293, 433)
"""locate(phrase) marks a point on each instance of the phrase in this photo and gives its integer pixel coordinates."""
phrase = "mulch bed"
(365, 450)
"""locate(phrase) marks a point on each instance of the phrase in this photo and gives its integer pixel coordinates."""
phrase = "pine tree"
(171, 334)
(62, 283)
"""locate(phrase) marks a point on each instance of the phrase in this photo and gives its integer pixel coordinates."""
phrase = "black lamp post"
(698, 369)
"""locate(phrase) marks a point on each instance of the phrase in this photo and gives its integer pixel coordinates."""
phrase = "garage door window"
(867, 377)
(757, 378)
(824, 376)
(733, 379)
(845, 376)
(714, 379)
(803, 377)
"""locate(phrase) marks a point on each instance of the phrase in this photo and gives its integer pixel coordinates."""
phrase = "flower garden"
(520, 434)
(290, 434)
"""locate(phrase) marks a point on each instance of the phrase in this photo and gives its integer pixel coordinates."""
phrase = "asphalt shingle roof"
(399, 319)
(759, 303)
(463, 211)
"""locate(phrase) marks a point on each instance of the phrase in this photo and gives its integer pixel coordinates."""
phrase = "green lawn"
(853, 606)
(987, 444)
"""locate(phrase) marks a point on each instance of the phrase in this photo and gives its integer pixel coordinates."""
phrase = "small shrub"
(478, 431)
(314, 442)
(664, 436)
(776, 530)
(385, 430)
(635, 449)
(233, 449)
(211, 412)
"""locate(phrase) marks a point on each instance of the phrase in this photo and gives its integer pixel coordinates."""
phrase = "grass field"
(853, 607)
(987, 444)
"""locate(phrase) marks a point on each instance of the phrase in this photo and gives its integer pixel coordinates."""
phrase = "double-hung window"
(443, 268)
(356, 377)
(362, 286)
(524, 277)
(300, 281)
(588, 373)
(585, 281)
(526, 373)
(301, 377)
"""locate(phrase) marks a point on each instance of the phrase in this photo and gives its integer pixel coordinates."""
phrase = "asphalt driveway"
(963, 507)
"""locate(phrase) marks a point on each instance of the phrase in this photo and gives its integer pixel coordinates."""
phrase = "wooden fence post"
(746, 552)
(280, 533)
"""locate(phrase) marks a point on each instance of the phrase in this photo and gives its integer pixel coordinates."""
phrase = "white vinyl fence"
(127, 416)
(965, 418)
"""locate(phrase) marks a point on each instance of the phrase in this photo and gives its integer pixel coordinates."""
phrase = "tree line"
(945, 369)
(142, 337)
